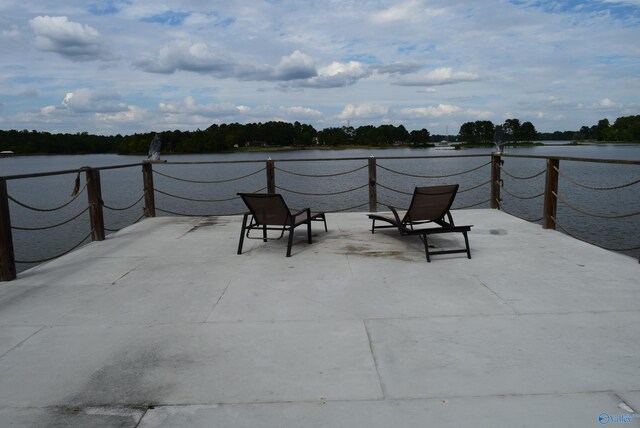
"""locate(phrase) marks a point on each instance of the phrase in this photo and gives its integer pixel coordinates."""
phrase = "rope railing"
(320, 175)
(124, 208)
(573, 235)
(52, 226)
(184, 198)
(433, 176)
(197, 215)
(208, 181)
(590, 214)
(392, 184)
(32, 208)
(585, 186)
(323, 194)
(31, 262)
(516, 177)
(464, 207)
(524, 198)
(474, 187)
(502, 208)
(350, 208)
(118, 230)
(393, 190)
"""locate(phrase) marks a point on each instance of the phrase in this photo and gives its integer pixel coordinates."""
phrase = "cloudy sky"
(125, 66)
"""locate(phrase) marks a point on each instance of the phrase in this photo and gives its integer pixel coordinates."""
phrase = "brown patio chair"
(269, 211)
(429, 205)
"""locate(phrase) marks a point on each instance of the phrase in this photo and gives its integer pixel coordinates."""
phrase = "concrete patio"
(162, 324)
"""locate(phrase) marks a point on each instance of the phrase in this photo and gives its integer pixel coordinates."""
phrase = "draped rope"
(591, 242)
(59, 255)
(569, 179)
(125, 208)
(321, 175)
(208, 182)
(519, 196)
(323, 194)
(24, 205)
(433, 176)
(519, 177)
(53, 225)
(613, 216)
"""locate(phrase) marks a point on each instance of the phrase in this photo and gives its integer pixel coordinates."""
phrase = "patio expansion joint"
(496, 295)
(23, 340)
(217, 301)
(375, 360)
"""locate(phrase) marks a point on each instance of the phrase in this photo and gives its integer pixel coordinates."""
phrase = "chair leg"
(373, 225)
(324, 220)
(244, 225)
(466, 241)
(290, 243)
(309, 231)
(264, 233)
(426, 248)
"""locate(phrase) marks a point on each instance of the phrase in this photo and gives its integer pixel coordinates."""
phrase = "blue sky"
(125, 66)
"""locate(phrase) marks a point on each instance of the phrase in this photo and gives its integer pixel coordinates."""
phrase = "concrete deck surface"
(164, 325)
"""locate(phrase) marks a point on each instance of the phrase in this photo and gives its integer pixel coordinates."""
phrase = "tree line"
(235, 136)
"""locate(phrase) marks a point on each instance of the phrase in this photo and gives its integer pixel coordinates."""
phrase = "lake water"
(302, 184)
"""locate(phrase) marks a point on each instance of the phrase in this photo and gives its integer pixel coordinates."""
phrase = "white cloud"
(301, 112)
(187, 56)
(606, 103)
(437, 77)
(85, 100)
(366, 110)
(13, 34)
(47, 110)
(440, 110)
(201, 58)
(72, 40)
(132, 114)
(295, 66)
(412, 10)
(335, 75)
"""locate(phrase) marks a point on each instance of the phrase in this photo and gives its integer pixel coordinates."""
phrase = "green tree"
(419, 138)
(511, 129)
(528, 132)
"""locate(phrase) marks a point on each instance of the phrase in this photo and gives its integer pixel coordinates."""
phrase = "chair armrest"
(395, 214)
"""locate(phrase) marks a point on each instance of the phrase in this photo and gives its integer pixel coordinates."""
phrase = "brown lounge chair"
(428, 205)
(269, 211)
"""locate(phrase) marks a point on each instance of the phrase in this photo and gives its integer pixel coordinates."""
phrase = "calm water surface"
(301, 185)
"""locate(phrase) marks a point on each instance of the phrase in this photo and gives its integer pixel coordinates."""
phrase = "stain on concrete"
(121, 417)
(130, 380)
(365, 250)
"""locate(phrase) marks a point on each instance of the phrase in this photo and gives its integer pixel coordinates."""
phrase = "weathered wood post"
(94, 193)
(551, 194)
(271, 176)
(149, 195)
(496, 162)
(373, 188)
(7, 257)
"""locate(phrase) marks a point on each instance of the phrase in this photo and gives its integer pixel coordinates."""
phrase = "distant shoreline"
(457, 146)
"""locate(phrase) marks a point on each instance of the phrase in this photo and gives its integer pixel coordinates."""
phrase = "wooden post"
(7, 257)
(271, 176)
(496, 162)
(94, 192)
(149, 195)
(550, 194)
(373, 188)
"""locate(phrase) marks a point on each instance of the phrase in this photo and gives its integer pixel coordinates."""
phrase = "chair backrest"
(431, 203)
(267, 208)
